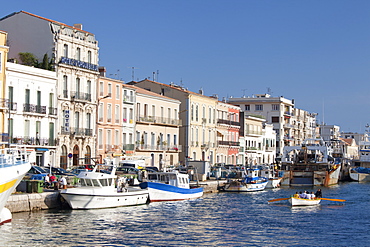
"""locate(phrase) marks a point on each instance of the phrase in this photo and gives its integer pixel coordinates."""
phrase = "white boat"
(309, 165)
(360, 174)
(251, 182)
(97, 190)
(296, 201)
(268, 172)
(360, 171)
(170, 186)
(14, 165)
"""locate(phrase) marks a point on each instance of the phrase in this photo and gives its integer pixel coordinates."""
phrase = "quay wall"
(47, 200)
(33, 201)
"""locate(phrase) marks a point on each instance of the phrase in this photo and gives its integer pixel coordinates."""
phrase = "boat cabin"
(171, 178)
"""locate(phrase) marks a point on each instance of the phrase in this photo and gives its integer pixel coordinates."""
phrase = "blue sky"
(316, 52)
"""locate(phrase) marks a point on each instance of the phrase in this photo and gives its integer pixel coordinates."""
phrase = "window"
(88, 120)
(259, 107)
(77, 120)
(117, 92)
(26, 128)
(109, 117)
(196, 113)
(124, 115)
(1, 61)
(100, 112)
(192, 112)
(116, 138)
(78, 54)
(274, 119)
(101, 88)
(275, 107)
(110, 90)
(247, 107)
(116, 112)
(65, 86)
(89, 58)
(65, 50)
(88, 87)
(100, 138)
(78, 85)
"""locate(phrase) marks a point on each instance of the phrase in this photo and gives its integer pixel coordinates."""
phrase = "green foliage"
(28, 59)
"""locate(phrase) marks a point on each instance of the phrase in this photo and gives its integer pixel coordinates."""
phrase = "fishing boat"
(251, 182)
(309, 165)
(360, 171)
(296, 201)
(170, 186)
(268, 172)
(14, 164)
(98, 189)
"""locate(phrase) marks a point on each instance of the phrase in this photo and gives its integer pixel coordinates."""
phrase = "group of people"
(53, 182)
(308, 195)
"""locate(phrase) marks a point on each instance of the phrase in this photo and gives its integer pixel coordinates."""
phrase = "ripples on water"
(220, 219)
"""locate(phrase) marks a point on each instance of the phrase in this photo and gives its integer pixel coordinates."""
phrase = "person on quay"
(63, 182)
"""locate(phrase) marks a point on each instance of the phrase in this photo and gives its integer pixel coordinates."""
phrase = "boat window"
(172, 176)
(152, 177)
(88, 182)
(82, 182)
(104, 182)
(95, 182)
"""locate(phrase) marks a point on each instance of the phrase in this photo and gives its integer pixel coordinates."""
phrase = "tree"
(28, 59)
(45, 62)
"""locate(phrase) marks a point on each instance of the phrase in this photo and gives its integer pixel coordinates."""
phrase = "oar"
(278, 199)
(336, 200)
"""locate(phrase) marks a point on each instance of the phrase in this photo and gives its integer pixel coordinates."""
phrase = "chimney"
(78, 26)
(102, 71)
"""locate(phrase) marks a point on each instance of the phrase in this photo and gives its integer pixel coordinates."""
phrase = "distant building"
(290, 124)
(4, 105)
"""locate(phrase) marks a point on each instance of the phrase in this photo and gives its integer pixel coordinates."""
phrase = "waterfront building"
(115, 118)
(228, 127)
(329, 132)
(198, 115)
(4, 106)
(259, 141)
(74, 55)
(157, 129)
(279, 112)
(33, 112)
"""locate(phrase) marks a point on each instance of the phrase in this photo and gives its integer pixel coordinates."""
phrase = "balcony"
(52, 111)
(31, 108)
(6, 105)
(80, 96)
(228, 143)
(130, 147)
(158, 120)
(228, 122)
(33, 141)
(128, 99)
(168, 148)
(77, 131)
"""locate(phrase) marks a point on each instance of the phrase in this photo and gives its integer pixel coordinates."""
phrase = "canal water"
(217, 219)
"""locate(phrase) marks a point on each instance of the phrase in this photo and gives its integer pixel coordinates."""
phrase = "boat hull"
(311, 178)
(235, 186)
(14, 174)
(163, 192)
(273, 183)
(303, 202)
(84, 199)
(359, 177)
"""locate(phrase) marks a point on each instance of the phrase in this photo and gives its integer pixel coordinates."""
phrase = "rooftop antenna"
(269, 91)
(133, 72)
(157, 74)
(244, 92)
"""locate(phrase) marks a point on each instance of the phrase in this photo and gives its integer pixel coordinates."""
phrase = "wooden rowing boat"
(294, 201)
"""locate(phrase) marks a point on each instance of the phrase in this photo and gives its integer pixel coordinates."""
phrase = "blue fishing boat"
(170, 186)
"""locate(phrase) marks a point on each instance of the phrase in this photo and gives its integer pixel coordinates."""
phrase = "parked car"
(127, 170)
(36, 173)
(78, 171)
(151, 169)
(58, 171)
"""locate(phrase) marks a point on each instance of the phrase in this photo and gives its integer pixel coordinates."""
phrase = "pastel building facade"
(4, 106)
(198, 115)
(74, 54)
(33, 111)
(115, 119)
(157, 129)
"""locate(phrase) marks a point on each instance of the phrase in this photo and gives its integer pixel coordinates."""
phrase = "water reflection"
(231, 219)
